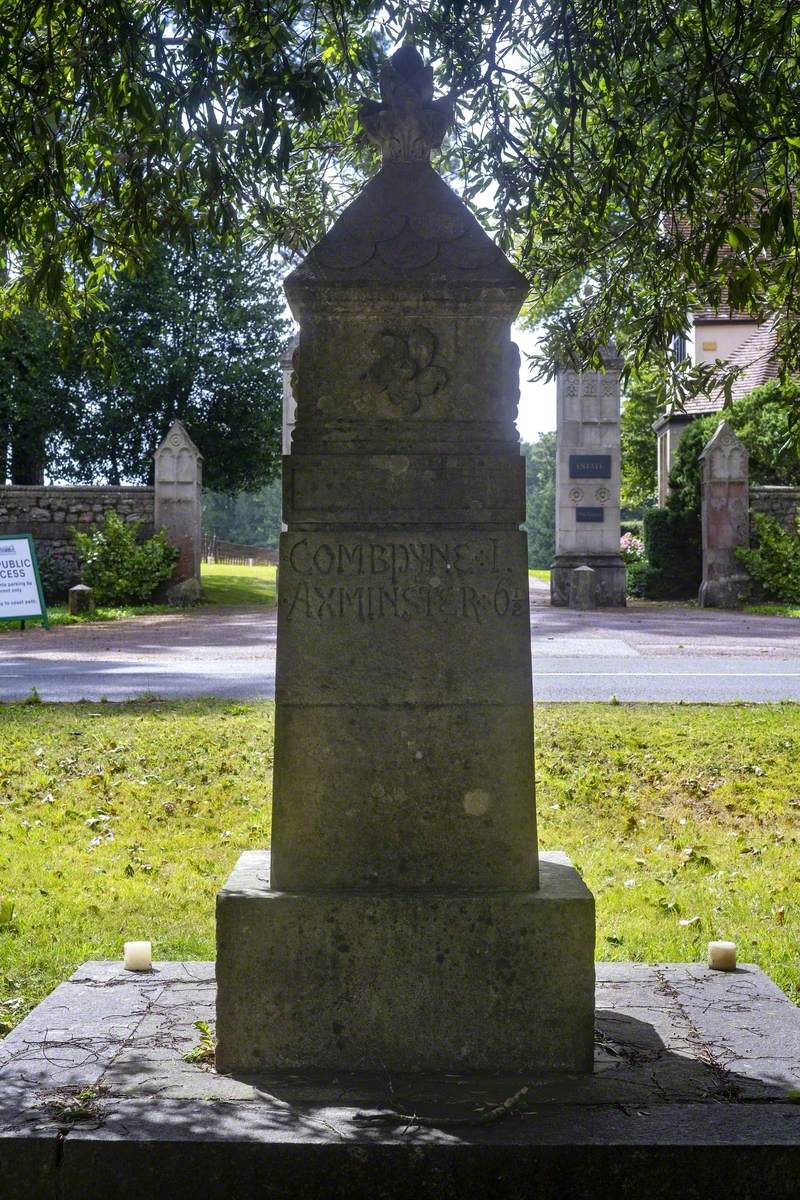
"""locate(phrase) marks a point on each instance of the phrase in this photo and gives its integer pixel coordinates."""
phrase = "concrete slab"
(693, 1095)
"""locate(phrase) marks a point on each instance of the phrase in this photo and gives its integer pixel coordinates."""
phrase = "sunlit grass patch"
(121, 821)
(238, 585)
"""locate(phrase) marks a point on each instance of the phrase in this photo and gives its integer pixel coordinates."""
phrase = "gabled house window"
(679, 348)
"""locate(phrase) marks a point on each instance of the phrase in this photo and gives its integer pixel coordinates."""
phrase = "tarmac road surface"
(653, 653)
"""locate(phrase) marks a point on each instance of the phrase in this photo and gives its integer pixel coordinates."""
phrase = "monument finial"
(407, 123)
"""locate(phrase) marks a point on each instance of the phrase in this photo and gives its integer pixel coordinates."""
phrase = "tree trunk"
(27, 462)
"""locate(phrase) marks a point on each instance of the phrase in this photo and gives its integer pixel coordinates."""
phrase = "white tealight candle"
(722, 956)
(138, 956)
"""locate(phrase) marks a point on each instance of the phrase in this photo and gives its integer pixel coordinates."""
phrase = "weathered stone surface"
(178, 500)
(298, 974)
(582, 588)
(587, 483)
(724, 504)
(783, 503)
(693, 1071)
(49, 513)
(185, 594)
(403, 806)
(80, 599)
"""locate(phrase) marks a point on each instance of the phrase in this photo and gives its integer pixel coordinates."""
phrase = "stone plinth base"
(727, 592)
(691, 1096)
(496, 981)
(609, 569)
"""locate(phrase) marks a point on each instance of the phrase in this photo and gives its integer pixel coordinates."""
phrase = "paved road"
(652, 653)
(662, 653)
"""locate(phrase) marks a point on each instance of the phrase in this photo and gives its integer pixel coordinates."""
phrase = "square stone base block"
(693, 1097)
(499, 981)
(611, 588)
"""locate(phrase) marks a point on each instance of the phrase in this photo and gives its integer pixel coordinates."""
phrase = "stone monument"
(587, 483)
(406, 920)
(724, 505)
(178, 501)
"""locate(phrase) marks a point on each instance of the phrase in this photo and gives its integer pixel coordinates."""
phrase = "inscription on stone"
(590, 515)
(369, 581)
(590, 466)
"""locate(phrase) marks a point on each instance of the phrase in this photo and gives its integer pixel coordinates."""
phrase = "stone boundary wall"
(48, 513)
(780, 502)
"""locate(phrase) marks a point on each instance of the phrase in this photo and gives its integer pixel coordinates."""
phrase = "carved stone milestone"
(588, 483)
(178, 500)
(406, 919)
(724, 506)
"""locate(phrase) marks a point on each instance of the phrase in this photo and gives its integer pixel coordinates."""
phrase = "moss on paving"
(121, 821)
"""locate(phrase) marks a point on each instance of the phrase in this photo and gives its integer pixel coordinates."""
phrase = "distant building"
(289, 402)
(725, 334)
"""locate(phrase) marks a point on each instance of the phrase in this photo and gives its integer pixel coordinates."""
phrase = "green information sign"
(21, 595)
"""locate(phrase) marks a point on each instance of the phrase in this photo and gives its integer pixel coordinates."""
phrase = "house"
(725, 334)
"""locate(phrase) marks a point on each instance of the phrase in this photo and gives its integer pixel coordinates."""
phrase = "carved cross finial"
(407, 123)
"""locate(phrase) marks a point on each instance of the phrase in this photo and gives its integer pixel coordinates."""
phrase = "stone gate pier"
(406, 917)
(588, 482)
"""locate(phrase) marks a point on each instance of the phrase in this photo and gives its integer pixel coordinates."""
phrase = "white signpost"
(21, 595)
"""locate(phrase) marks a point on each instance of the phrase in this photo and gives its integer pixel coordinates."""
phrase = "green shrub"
(761, 420)
(775, 562)
(673, 551)
(121, 569)
(57, 576)
(684, 477)
(636, 574)
(634, 526)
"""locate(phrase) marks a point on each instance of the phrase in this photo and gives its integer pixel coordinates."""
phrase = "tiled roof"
(756, 357)
(723, 313)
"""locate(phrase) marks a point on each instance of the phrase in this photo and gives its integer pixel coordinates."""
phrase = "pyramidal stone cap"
(407, 229)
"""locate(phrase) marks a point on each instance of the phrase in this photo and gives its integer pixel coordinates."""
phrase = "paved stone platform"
(695, 1094)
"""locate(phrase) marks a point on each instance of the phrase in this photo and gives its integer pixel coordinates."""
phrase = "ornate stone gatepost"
(178, 500)
(406, 920)
(724, 505)
(587, 483)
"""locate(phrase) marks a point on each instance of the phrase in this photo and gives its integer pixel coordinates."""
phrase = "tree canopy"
(760, 420)
(650, 151)
(642, 402)
(197, 337)
(540, 519)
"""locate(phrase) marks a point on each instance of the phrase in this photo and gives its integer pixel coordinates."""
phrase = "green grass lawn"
(243, 586)
(543, 575)
(773, 610)
(121, 822)
(238, 585)
(58, 614)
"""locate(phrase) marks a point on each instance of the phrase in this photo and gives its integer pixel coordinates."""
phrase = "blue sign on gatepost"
(590, 466)
(589, 515)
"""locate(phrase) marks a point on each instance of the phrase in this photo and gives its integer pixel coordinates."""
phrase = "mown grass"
(59, 614)
(543, 575)
(121, 821)
(773, 610)
(244, 586)
(238, 585)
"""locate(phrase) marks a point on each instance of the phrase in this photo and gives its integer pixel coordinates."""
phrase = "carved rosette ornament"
(407, 123)
(404, 368)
